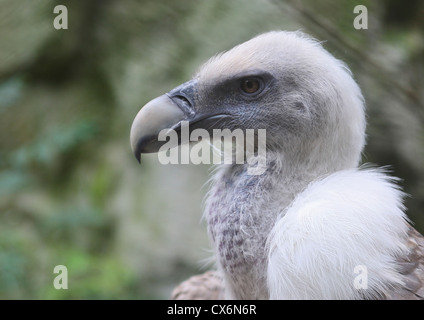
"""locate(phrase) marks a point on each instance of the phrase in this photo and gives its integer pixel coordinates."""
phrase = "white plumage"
(303, 228)
(350, 218)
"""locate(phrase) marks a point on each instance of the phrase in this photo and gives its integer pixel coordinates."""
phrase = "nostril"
(183, 99)
(183, 103)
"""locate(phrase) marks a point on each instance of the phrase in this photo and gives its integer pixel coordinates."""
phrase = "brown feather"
(412, 267)
(207, 286)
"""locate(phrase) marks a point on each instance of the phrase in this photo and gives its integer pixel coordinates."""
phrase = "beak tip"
(163, 112)
(137, 153)
(158, 114)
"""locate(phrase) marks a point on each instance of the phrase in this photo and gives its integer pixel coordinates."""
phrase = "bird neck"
(241, 210)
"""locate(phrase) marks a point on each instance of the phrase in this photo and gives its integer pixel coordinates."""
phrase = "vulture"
(315, 224)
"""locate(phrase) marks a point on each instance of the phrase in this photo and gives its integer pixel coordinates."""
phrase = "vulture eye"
(250, 85)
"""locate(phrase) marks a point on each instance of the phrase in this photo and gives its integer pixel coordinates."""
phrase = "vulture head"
(304, 227)
(283, 82)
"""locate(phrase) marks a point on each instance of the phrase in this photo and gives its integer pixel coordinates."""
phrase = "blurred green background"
(71, 192)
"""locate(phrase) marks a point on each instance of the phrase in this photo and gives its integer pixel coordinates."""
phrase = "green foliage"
(12, 181)
(46, 149)
(13, 265)
(92, 277)
(10, 91)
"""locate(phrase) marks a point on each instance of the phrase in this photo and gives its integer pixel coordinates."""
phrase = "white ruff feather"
(351, 218)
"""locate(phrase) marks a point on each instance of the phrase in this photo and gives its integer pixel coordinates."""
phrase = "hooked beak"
(167, 112)
(158, 114)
